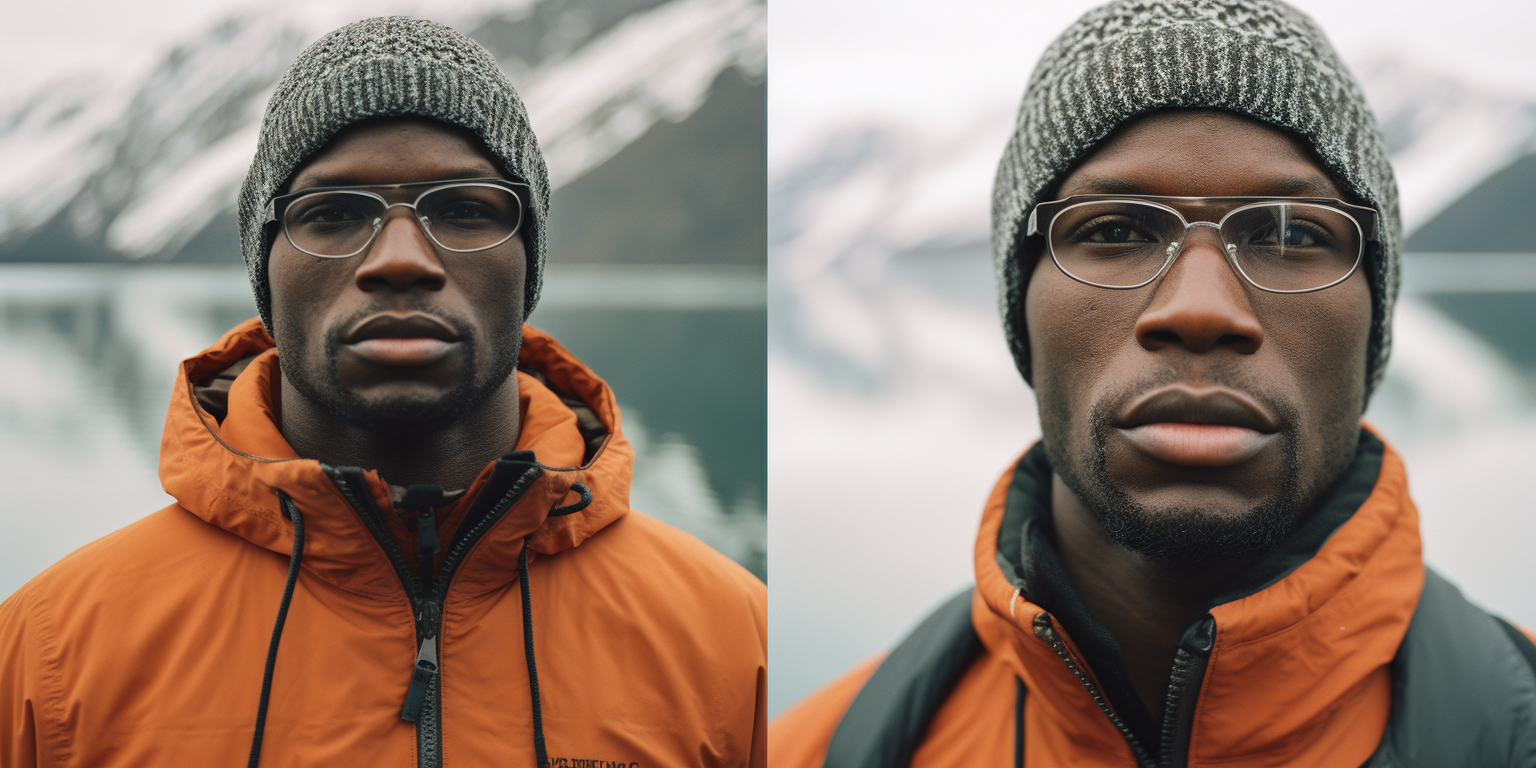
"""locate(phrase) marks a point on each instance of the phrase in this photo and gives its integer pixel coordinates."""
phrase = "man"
(1206, 560)
(402, 533)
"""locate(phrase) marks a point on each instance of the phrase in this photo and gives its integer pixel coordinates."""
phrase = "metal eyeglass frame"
(1363, 217)
(519, 190)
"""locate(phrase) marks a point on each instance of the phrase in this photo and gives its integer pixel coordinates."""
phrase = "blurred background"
(895, 404)
(125, 133)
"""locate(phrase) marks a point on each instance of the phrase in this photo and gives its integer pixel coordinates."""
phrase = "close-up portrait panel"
(317, 231)
(123, 153)
(904, 180)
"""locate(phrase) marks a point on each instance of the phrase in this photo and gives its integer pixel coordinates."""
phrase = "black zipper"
(1184, 690)
(422, 693)
(1046, 631)
(1189, 664)
(424, 674)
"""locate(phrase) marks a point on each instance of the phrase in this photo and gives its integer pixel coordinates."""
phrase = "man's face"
(404, 335)
(1198, 416)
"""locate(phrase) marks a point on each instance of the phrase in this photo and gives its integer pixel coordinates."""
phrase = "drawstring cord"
(292, 512)
(1018, 724)
(541, 755)
(586, 499)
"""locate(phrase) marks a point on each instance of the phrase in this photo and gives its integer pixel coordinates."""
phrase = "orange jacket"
(1298, 674)
(146, 647)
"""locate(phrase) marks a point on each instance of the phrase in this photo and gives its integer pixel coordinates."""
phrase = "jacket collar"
(228, 468)
(1296, 635)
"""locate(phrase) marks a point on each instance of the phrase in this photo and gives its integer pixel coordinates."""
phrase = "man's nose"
(1200, 303)
(401, 257)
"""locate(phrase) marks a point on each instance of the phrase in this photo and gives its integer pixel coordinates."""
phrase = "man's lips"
(405, 352)
(1197, 445)
(401, 339)
(1210, 427)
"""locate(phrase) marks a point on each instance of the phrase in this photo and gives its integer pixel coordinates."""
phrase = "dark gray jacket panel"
(1463, 694)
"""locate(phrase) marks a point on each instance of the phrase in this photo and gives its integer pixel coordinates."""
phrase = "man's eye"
(1115, 232)
(331, 214)
(463, 210)
(1295, 234)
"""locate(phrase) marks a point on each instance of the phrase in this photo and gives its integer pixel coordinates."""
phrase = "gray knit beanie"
(1259, 58)
(382, 67)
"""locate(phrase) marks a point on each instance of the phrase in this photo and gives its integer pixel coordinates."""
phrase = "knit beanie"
(1259, 58)
(382, 67)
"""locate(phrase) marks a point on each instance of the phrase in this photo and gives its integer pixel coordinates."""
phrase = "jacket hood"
(227, 465)
(1302, 642)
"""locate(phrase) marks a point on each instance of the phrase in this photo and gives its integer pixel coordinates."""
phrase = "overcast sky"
(834, 61)
(40, 41)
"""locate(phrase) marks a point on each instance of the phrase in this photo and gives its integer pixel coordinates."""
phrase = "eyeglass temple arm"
(1032, 228)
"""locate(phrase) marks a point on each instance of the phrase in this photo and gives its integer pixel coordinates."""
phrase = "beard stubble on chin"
(1180, 535)
(400, 415)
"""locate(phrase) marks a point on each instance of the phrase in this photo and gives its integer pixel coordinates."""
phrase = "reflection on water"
(89, 354)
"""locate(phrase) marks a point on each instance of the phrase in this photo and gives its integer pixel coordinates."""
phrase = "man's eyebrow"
(1306, 186)
(1108, 185)
(1300, 186)
(306, 181)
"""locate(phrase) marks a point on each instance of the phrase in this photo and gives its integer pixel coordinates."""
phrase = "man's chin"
(1196, 535)
(399, 414)
(1191, 515)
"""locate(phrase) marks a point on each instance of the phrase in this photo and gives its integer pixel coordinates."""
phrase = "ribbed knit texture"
(380, 67)
(1259, 58)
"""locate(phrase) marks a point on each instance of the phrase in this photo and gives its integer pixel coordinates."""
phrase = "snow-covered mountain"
(1445, 135)
(876, 209)
(107, 165)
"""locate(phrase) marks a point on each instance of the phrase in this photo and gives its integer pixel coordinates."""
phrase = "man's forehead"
(396, 150)
(1201, 153)
(1311, 185)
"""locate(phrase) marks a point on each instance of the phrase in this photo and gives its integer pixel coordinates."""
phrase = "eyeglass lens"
(1278, 246)
(466, 217)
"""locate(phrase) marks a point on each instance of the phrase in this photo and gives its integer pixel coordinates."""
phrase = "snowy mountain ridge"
(877, 221)
(127, 163)
(1444, 135)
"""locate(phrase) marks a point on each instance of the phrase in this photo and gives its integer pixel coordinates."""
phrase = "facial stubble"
(1187, 535)
(401, 415)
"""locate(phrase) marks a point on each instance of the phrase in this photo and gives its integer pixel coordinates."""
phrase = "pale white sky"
(39, 41)
(832, 60)
(837, 61)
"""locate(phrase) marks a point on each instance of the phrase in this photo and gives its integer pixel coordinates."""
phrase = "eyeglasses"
(1280, 245)
(458, 216)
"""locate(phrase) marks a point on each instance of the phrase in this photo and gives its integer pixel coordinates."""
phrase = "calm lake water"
(89, 353)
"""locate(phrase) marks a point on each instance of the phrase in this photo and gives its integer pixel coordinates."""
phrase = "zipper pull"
(424, 501)
(421, 680)
(427, 547)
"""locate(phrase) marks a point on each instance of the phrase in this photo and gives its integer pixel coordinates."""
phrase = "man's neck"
(1146, 605)
(449, 455)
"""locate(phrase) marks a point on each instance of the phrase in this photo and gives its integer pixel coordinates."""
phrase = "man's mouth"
(409, 339)
(1204, 427)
